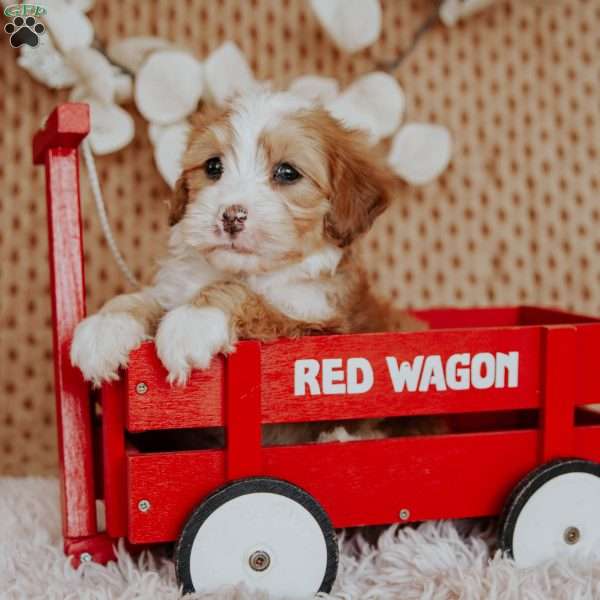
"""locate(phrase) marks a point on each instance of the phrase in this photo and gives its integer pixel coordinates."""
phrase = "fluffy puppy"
(273, 194)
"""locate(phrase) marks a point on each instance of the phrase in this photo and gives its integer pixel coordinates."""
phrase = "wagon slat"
(288, 397)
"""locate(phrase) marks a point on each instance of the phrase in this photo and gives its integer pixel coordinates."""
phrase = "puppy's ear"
(179, 200)
(362, 185)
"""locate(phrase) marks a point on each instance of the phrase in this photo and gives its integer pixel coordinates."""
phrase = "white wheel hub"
(266, 540)
(562, 517)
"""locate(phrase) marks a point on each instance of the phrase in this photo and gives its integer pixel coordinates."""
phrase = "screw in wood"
(144, 505)
(404, 514)
(141, 388)
(85, 557)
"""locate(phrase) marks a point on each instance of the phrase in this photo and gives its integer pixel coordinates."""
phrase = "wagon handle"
(56, 147)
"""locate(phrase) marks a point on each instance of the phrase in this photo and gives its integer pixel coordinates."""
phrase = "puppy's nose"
(234, 218)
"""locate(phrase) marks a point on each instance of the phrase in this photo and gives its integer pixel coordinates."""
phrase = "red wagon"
(513, 382)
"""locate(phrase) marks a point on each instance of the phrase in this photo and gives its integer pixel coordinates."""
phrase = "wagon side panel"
(358, 483)
(286, 399)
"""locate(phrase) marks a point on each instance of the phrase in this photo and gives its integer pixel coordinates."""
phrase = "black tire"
(243, 487)
(527, 487)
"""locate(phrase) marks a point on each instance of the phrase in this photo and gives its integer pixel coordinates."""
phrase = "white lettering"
(433, 374)
(407, 375)
(462, 371)
(458, 375)
(332, 374)
(354, 366)
(483, 371)
(507, 364)
(305, 374)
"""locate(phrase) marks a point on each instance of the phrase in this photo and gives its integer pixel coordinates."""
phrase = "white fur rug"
(444, 560)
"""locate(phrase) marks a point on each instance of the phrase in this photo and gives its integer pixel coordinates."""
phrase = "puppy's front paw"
(188, 338)
(102, 343)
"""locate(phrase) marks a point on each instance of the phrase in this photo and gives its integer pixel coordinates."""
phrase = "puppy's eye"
(285, 173)
(213, 168)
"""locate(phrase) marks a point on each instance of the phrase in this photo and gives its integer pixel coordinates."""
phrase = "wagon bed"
(255, 386)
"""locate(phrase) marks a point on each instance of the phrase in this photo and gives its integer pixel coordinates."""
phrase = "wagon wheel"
(553, 511)
(266, 533)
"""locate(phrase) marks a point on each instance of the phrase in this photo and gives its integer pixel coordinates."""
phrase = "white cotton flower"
(227, 73)
(131, 53)
(69, 27)
(420, 152)
(315, 88)
(46, 64)
(352, 24)
(168, 86)
(374, 103)
(112, 127)
(94, 73)
(169, 148)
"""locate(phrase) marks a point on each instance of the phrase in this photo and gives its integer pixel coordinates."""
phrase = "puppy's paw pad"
(188, 338)
(102, 343)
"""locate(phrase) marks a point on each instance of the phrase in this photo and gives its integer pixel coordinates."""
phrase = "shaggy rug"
(443, 560)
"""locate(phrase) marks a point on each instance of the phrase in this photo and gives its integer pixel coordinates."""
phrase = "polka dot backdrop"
(514, 219)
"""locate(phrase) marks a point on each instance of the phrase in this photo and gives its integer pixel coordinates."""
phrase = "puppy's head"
(272, 179)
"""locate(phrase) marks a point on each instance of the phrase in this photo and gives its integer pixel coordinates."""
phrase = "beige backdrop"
(514, 219)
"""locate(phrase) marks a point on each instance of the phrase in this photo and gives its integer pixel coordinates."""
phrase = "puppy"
(273, 195)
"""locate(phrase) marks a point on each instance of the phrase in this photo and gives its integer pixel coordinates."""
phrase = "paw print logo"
(24, 31)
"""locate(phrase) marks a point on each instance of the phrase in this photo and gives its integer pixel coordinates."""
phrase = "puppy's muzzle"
(233, 219)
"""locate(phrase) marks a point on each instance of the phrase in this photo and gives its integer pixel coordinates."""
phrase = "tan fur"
(251, 316)
(140, 306)
(361, 186)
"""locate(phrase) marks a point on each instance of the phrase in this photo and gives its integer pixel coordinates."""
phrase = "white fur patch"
(297, 290)
(102, 343)
(188, 338)
(252, 115)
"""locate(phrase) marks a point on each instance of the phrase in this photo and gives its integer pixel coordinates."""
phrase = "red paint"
(56, 146)
(100, 547)
(66, 126)
(243, 406)
(558, 410)
(200, 405)
(113, 453)
(150, 477)
(358, 483)
(162, 406)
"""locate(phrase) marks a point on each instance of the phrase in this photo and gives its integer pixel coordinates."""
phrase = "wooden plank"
(68, 308)
(587, 442)
(114, 464)
(358, 483)
(68, 124)
(173, 484)
(162, 406)
(282, 402)
(588, 342)
(536, 315)
(200, 403)
(469, 318)
(243, 404)
(559, 389)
